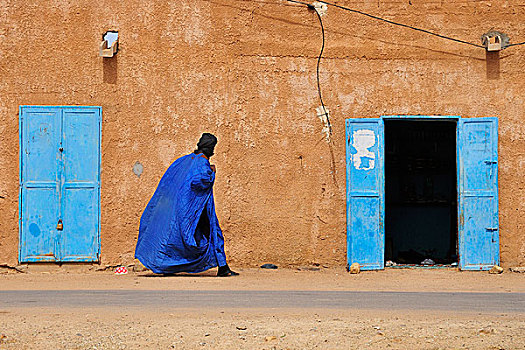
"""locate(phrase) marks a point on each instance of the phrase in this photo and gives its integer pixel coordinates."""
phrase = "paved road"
(473, 302)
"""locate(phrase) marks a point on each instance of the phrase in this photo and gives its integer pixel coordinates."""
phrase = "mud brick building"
(411, 171)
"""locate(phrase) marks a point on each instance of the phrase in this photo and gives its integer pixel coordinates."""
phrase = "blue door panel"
(478, 235)
(38, 241)
(60, 167)
(365, 198)
(363, 247)
(41, 137)
(477, 147)
(81, 184)
(478, 193)
(80, 235)
(39, 187)
(81, 142)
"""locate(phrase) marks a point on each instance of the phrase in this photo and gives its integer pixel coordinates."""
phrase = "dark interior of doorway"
(421, 192)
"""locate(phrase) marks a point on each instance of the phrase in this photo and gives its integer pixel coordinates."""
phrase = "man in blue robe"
(179, 230)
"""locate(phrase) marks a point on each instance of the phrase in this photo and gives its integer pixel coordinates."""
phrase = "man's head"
(207, 144)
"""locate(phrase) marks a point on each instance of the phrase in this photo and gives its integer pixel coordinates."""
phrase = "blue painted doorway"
(365, 206)
(59, 183)
(422, 187)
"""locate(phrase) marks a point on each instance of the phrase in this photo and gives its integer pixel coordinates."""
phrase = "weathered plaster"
(245, 70)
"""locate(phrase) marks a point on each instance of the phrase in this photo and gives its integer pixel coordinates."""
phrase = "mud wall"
(245, 70)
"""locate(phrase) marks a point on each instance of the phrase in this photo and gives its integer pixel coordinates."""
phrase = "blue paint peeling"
(365, 192)
(477, 166)
(59, 180)
(478, 193)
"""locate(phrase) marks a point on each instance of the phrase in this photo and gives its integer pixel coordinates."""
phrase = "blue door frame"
(59, 206)
(477, 188)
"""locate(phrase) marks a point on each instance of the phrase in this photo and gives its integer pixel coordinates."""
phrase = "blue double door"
(477, 191)
(59, 184)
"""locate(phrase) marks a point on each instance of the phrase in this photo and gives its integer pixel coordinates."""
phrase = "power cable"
(401, 24)
(390, 22)
(312, 7)
(300, 2)
(387, 21)
(318, 64)
(516, 44)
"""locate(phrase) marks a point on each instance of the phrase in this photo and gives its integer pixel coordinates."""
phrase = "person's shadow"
(208, 273)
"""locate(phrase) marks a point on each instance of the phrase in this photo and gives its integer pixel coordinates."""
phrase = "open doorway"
(420, 191)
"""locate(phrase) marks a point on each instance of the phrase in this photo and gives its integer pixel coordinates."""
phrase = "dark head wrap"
(206, 144)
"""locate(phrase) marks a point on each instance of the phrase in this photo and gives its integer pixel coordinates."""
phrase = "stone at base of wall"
(520, 269)
(496, 269)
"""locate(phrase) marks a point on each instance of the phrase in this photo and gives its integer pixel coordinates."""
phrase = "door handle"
(60, 225)
(491, 229)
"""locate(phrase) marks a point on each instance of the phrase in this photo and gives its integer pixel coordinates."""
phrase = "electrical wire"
(300, 2)
(312, 7)
(516, 44)
(384, 20)
(399, 24)
(318, 64)
(391, 22)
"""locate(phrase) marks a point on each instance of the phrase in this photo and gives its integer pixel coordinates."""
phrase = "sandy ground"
(170, 328)
(410, 280)
(256, 329)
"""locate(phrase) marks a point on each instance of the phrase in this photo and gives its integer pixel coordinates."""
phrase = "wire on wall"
(397, 23)
(312, 7)
(516, 44)
(401, 24)
(318, 64)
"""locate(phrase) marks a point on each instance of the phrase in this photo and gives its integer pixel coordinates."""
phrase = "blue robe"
(179, 230)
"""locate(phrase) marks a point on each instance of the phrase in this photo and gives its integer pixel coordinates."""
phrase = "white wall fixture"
(323, 113)
(320, 7)
(494, 40)
(109, 45)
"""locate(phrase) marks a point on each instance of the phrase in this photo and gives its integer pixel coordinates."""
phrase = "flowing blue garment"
(179, 230)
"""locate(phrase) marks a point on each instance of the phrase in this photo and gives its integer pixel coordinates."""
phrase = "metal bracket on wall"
(109, 45)
(495, 41)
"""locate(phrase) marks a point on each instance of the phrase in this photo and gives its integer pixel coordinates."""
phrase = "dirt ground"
(256, 328)
(52, 277)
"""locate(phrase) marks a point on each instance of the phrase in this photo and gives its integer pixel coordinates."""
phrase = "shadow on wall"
(492, 60)
(110, 70)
